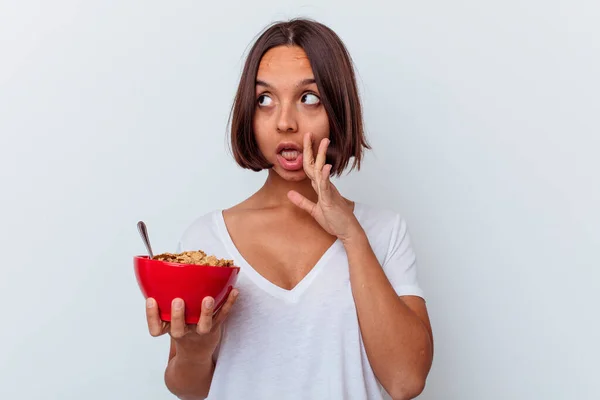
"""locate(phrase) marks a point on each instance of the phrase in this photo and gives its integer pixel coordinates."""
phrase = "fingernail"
(177, 304)
(235, 294)
(149, 303)
(208, 303)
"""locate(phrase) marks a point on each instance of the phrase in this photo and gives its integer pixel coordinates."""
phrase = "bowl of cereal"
(190, 275)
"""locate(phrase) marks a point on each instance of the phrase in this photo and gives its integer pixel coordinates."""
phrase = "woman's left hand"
(334, 213)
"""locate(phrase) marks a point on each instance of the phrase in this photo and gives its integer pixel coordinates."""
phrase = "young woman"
(329, 304)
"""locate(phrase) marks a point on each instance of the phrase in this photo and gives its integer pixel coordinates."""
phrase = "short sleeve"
(400, 263)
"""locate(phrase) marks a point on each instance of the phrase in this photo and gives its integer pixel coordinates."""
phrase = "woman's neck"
(275, 189)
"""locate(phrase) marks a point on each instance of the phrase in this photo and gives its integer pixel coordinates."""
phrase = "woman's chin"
(288, 175)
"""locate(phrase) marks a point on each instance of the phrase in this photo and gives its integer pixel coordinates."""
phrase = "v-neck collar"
(292, 295)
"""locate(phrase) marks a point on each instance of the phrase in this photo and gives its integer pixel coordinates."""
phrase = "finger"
(320, 161)
(224, 311)
(177, 318)
(325, 177)
(153, 318)
(326, 188)
(321, 155)
(307, 155)
(301, 202)
(205, 323)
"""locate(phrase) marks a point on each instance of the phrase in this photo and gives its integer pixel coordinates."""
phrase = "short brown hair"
(335, 79)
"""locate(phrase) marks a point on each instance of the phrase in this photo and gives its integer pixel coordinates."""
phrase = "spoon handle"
(144, 234)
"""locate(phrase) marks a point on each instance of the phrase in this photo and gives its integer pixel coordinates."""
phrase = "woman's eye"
(264, 100)
(310, 98)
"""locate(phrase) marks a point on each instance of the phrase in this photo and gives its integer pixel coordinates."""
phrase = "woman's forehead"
(284, 63)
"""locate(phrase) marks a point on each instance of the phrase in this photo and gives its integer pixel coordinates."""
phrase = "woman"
(329, 304)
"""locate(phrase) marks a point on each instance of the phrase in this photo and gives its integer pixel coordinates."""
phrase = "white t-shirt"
(303, 343)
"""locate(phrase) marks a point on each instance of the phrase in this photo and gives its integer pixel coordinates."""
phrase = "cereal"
(195, 258)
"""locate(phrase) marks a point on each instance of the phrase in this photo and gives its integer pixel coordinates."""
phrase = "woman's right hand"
(203, 337)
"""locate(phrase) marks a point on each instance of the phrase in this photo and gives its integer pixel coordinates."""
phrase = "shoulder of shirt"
(374, 216)
(384, 227)
(201, 226)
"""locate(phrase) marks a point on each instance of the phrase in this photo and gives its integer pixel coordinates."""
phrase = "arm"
(191, 362)
(188, 375)
(396, 330)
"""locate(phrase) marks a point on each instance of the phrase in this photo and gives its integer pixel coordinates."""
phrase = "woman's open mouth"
(289, 157)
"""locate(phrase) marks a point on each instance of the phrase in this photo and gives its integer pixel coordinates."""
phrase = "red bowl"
(165, 281)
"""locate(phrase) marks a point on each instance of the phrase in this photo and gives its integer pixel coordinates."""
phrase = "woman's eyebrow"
(263, 83)
(303, 82)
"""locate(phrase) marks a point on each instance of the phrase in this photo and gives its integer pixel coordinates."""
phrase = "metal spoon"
(144, 234)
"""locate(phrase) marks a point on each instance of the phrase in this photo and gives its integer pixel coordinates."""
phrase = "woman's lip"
(293, 165)
(288, 146)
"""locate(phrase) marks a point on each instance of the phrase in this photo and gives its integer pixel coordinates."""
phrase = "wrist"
(356, 235)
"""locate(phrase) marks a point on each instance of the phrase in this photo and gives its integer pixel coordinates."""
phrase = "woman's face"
(288, 105)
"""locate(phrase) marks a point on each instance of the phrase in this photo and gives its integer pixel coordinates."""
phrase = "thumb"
(301, 201)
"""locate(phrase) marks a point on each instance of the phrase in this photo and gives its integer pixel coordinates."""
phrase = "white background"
(484, 121)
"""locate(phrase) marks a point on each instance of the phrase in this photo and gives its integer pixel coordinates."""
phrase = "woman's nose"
(286, 121)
